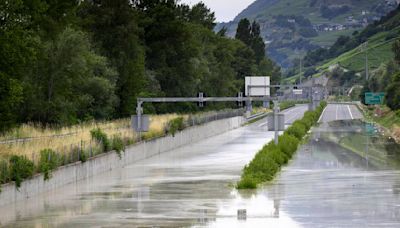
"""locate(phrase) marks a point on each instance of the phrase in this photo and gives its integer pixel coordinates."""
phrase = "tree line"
(63, 62)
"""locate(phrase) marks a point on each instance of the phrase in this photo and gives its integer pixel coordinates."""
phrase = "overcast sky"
(225, 10)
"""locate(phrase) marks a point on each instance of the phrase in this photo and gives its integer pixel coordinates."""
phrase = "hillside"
(380, 37)
(309, 24)
(349, 52)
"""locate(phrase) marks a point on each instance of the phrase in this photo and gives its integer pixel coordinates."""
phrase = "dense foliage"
(63, 62)
(269, 160)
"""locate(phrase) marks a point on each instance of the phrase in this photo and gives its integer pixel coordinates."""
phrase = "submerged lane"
(325, 185)
(188, 186)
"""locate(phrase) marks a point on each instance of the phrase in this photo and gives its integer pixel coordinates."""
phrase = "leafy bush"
(102, 138)
(83, 156)
(297, 129)
(20, 168)
(288, 144)
(247, 182)
(49, 160)
(118, 145)
(269, 160)
(4, 172)
(175, 125)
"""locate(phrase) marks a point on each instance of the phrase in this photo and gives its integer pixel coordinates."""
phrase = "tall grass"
(32, 148)
(29, 139)
(269, 160)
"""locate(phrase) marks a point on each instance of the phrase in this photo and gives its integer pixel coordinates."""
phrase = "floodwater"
(325, 185)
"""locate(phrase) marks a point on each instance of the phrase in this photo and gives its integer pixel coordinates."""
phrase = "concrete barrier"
(102, 163)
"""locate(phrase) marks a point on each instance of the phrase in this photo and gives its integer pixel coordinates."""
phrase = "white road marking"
(323, 112)
(351, 114)
(263, 124)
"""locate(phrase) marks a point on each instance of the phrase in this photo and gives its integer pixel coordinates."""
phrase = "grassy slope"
(379, 51)
(302, 7)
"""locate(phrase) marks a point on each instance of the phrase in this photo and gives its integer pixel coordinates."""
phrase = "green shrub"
(49, 160)
(118, 145)
(288, 144)
(298, 130)
(82, 156)
(20, 168)
(247, 182)
(262, 168)
(269, 160)
(4, 172)
(102, 138)
(175, 125)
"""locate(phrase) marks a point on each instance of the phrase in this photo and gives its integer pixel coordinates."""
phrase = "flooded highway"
(347, 175)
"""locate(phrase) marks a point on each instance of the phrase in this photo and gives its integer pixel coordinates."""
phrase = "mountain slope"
(291, 28)
(351, 56)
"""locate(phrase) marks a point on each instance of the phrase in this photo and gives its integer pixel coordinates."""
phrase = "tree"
(243, 32)
(202, 15)
(257, 42)
(114, 26)
(396, 51)
(393, 93)
(222, 31)
(11, 98)
(72, 83)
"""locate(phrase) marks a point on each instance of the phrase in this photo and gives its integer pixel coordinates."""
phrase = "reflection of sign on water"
(242, 214)
(205, 217)
(374, 98)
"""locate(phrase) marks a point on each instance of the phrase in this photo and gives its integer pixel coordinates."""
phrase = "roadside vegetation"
(269, 160)
(45, 149)
(386, 118)
(29, 139)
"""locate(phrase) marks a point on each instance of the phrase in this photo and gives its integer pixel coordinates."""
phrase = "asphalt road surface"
(291, 115)
(335, 112)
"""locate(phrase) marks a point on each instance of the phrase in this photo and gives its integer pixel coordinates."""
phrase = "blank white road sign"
(297, 91)
(257, 86)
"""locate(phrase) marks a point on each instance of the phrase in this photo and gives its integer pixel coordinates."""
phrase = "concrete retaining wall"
(105, 162)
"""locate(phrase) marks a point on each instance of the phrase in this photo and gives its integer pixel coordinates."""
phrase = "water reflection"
(342, 177)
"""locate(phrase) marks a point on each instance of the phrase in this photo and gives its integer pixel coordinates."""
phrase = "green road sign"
(370, 129)
(374, 98)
